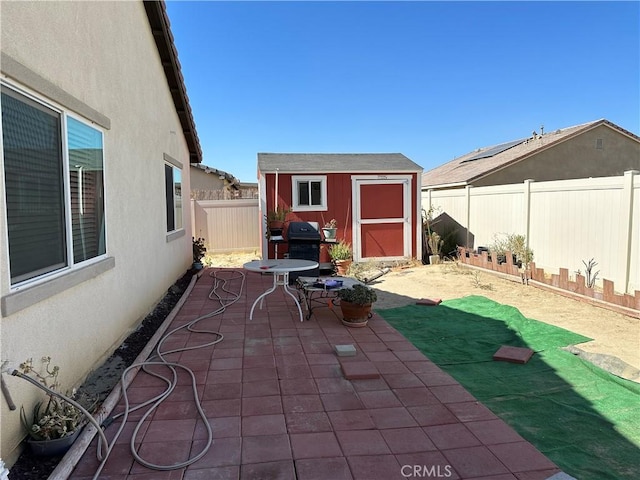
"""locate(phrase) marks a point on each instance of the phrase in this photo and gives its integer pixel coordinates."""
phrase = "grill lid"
(302, 231)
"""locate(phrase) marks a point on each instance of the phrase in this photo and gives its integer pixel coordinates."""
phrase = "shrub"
(340, 251)
(358, 294)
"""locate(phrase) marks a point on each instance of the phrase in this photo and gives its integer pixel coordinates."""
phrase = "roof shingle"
(335, 162)
(470, 167)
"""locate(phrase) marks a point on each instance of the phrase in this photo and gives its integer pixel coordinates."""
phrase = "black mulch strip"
(102, 381)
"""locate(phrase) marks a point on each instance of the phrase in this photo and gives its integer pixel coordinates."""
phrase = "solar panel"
(490, 152)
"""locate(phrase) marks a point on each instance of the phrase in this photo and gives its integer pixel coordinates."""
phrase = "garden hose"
(104, 447)
(158, 359)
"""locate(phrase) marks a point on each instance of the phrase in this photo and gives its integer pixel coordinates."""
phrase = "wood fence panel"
(227, 225)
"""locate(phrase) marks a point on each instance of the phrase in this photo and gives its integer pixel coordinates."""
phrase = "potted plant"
(329, 230)
(198, 252)
(355, 304)
(341, 255)
(54, 424)
(275, 221)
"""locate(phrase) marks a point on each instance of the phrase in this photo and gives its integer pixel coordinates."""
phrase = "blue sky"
(431, 80)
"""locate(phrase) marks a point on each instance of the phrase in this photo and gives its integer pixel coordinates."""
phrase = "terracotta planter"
(276, 227)
(354, 324)
(342, 266)
(354, 314)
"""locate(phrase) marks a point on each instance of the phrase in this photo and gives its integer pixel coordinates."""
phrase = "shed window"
(53, 178)
(309, 193)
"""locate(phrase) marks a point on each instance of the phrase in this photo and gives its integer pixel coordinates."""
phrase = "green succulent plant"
(53, 418)
(358, 294)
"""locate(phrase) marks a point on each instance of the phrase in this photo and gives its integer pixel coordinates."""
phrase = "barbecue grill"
(304, 244)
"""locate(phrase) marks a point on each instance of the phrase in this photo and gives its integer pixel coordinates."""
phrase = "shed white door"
(381, 217)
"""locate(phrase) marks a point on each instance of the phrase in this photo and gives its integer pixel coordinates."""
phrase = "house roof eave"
(161, 30)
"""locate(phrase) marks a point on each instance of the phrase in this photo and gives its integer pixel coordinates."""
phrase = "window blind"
(34, 185)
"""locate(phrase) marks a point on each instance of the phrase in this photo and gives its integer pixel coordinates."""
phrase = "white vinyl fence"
(227, 225)
(565, 222)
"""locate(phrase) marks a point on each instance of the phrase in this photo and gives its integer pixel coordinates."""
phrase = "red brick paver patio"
(280, 407)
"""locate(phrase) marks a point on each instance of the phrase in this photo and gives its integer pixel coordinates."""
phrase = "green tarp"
(583, 418)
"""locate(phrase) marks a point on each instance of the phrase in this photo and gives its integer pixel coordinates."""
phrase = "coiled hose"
(221, 279)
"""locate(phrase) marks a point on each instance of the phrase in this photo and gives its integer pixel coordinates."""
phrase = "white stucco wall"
(104, 55)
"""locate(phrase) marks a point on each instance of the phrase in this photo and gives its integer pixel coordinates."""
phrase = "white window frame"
(70, 266)
(295, 180)
(175, 166)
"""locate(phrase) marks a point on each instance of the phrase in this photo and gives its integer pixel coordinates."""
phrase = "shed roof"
(335, 162)
(161, 30)
(481, 162)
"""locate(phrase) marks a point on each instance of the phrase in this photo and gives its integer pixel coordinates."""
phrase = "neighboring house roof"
(335, 162)
(481, 162)
(233, 181)
(160, 27)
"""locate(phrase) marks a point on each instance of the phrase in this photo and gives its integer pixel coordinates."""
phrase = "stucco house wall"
(99, 61)
(600, 152)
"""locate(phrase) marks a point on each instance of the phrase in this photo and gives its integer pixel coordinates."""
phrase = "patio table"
(321, 291)
(280, 268)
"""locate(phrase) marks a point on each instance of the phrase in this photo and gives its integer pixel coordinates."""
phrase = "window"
(54, 187)
(309, 193)
(173, 191)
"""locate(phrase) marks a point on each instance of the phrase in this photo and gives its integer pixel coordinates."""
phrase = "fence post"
(193, 218)
(527, 211)
(627, 204)
(467, 193)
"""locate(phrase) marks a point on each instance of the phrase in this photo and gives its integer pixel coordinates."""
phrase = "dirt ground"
(613, 334)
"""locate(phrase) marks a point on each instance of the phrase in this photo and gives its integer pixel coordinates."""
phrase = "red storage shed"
(374, 197)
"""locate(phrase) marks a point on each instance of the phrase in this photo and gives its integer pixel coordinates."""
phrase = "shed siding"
(339, 206)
